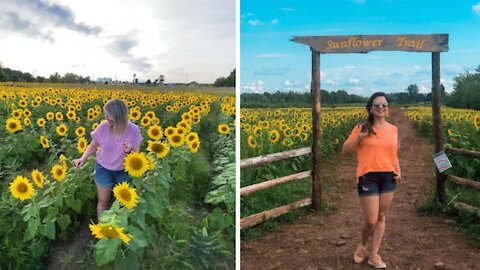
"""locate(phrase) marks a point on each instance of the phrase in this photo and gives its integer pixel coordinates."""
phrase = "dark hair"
(368, 125)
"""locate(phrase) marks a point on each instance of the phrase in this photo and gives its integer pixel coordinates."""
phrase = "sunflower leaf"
(32, 229)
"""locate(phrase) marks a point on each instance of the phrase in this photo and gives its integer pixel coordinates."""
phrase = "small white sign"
(441, 161)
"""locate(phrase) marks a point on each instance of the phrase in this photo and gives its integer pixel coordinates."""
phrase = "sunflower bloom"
(251, 142)
(61, 130)
(151, 162)
(21, 188)
(81, 145)
(176, 140)
(13, 125)
(38, 178)
(126, 195)
(44, 142)
(155, 132)
(223, 129)
(273, 136)
(136, 164)
(194, 146)
(59, 172)
(41, 122)
(101, 231)
(80, 131)
(191, 137)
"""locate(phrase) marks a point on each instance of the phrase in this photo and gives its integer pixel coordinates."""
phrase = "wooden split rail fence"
(463, 181)
(255, 219)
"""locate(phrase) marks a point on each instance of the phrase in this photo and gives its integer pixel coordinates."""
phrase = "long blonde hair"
(117, 109)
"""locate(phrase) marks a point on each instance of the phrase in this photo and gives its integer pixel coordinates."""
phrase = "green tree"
(412, 91)
(229, 81)
(55, 78)
(466, 92)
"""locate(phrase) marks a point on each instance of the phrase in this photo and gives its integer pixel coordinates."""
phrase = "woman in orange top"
(378, 172)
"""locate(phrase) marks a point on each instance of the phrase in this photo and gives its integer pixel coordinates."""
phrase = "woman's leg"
(385, 201)
(370, 205)
(103, 199)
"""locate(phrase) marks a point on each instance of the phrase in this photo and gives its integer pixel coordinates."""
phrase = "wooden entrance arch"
(434, 43)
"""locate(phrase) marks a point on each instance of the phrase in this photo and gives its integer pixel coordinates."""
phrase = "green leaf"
(77, 206)
(138, 237)
(37, 249)
(64, 221)
(32, 229)
(106, 250)
(139, 219)
(218, 220)
(52, 212)
(49, 230)
(130, 262)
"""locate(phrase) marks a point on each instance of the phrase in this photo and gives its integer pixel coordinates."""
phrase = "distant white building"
(104, 80)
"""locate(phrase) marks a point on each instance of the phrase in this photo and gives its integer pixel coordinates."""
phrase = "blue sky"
(270, 62)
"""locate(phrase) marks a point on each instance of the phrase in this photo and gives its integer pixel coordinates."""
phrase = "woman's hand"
(78, 162)
(127, 148)
(397, 178)
(363, 132)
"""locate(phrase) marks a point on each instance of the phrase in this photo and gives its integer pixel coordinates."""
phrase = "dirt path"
(328, 240)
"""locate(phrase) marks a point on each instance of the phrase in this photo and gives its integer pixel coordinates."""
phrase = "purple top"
(110, 153)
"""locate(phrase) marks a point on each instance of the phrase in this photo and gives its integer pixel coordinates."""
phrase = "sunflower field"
(461, 129)
(267, 131)
(178, 212)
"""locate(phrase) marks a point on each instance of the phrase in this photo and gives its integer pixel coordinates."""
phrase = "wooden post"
(437, 122)
(315, 89)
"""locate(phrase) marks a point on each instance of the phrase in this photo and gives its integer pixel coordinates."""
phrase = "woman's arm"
(351, 143)
(91, 149)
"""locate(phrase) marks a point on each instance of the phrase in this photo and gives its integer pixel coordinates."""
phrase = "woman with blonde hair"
(378, 172)
(112, 140)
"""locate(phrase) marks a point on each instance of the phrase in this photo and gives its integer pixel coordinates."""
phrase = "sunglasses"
(380, 104)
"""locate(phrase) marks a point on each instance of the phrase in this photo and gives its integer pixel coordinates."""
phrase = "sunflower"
(17, 113)
(186, 126)
(136, 164)
(27, 121)
(180, 131)
(21, 188)
(151, 162)
(176, 140)
(476, 121)
(223, 129)
(126, 195)
(134, 115)
(59, 116)
(101, 231)
(94, 126)
(145, 121)
(50, 116)
(80, 131)
(13, 125)
(192, 136)
(41, 122)
(251, 142)
(161, 149)
(273, 136)
(59, 172)
(44, 142)
(194, 146)
(61, 130)
(81, 145)
(169, 131)
(38, 178)
(155, 132)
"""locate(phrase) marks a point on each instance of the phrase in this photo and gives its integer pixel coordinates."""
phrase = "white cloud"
(353, 81)
(272, 55)
(274, 21)
(287, 83)
(476, 8)
(286, 9)
(255, 87)
(81, 37)
(349, 67)
(255, 22)
(329, 82)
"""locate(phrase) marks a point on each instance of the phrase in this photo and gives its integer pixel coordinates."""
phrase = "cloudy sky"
(185, 40)
(270, 62)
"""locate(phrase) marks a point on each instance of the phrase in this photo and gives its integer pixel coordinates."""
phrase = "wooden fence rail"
(245, 191)
(462, 152)
(464, 182)
(262, 160)
(255, 219)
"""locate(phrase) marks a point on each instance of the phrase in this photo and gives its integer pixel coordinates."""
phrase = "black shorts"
(375, 183)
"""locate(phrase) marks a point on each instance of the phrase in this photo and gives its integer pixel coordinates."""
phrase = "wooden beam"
(262, 160)
(466, 207)
(255, 219)
(245, 191)
(367, 43)
(464, 182)
(316, 132)
(437, 123)
(462, 152)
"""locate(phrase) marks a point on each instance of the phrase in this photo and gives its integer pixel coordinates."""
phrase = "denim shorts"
(375, 183)
(108, 178)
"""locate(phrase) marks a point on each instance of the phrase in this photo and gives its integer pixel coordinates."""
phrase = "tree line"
(11, 75)
(466, 94)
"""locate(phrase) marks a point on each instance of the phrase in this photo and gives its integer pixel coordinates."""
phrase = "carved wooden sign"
(367, 43)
